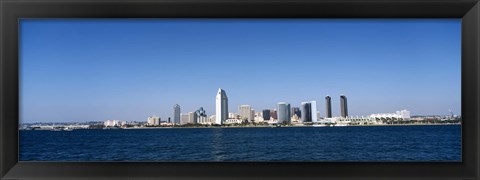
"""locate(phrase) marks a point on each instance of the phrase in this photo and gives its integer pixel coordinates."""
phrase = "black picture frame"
(12, 10)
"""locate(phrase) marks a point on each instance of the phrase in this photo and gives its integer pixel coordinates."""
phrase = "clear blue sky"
(95, 70)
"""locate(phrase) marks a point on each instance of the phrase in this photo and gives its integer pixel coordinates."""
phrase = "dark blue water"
(361, 143)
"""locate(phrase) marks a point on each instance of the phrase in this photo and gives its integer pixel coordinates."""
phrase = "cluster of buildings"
(114, 123)
(284, 113)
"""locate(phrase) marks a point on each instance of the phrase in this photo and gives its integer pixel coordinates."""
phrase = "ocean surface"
(351, 143)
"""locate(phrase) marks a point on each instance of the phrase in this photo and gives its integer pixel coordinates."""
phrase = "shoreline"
(261, 126)
(297, 126)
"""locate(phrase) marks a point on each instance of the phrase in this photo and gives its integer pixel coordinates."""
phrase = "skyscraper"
(283, 112)
(296, 111)
(314, 111)
(176, 114)
(266, 114)
(328, 105)
(192, 118)
(306, 112)
(245, 112)
(343, 105)
(273, 114)
(221, 107)
(309, 111)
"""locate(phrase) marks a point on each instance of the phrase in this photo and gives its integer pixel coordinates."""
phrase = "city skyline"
(82, 71)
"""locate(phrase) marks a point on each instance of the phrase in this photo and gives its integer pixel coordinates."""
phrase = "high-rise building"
(283, 112)
(252, 115)
(296, 111)
(328, 105)
(314, 111)
(184, 118)
(192, 118)
(309, 111)
(201, 116)
(273, 114)
(221, 107)
(266, 114)
(343, 106)
(176, 114)
(245, 111)
(306, 112)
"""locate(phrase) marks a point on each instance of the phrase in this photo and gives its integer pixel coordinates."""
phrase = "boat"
(319, 125)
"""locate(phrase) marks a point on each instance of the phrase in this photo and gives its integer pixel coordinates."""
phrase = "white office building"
(112, 123)
(399, 115)
(221, 107)
(153, 120)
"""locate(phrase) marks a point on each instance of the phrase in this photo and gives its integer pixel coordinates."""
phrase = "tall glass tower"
(296, 111)
(343, 105)
(306, 112)
(176, 114)
(266, 114)
(221, 107)
(328, 104)
(283, 112)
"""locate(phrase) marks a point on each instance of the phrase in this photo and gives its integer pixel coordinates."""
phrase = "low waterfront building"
(212, 119)
(258, 117)
(402, 115)
(233, 121)
(112, 123)
(153, 120)
(295, 118)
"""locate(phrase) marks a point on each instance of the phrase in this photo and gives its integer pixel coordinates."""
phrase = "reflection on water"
(382, 143)
(218, 147)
